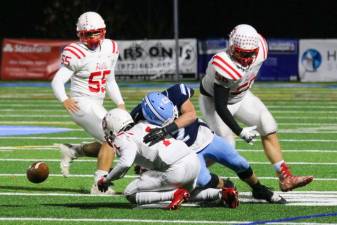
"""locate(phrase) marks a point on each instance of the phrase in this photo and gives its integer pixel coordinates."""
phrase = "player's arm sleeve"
(113, 90)
(127, 157)
(61, 77)
(220, 101)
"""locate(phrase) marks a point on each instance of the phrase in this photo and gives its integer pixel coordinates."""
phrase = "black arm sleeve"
(220, 101)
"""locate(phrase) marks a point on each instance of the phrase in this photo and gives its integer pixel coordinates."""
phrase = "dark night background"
(132, 19)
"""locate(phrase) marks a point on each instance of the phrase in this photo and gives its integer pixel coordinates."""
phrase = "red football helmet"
(91, 29)
(244, 44)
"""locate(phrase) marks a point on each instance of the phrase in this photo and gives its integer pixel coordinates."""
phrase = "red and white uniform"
(224, 71)
(170, 162)
(92, 75)
(243, 105)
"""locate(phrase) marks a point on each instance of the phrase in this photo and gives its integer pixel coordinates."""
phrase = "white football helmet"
(91, 29)
(244, 44)
(115, 121)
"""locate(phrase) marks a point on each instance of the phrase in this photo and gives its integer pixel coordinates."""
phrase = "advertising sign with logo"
(30, 59)
(155, 57)
(318, 60)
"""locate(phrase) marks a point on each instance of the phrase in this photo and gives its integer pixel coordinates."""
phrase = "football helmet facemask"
(91, 29)
(244, 44)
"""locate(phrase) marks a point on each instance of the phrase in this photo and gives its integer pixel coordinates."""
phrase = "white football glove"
(249, 134)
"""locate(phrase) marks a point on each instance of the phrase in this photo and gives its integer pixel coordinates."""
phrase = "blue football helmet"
(158, 109)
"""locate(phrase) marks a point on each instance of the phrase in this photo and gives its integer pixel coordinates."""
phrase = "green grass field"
(307, 119)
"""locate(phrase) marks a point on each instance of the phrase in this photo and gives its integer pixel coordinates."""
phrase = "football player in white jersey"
(226, 96)
(89, 65)
(172, 167)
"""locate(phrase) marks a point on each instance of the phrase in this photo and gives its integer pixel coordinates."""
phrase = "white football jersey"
(224, 71)
(91, 67)
(131, 149)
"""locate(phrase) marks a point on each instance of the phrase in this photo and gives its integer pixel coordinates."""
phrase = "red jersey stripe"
(264, 46)
(78, 49)
(74, 53)
(114, 46)
(224, 69)
(229, 66)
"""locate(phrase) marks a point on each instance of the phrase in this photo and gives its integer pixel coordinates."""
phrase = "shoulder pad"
(225, 67)
(115, 49)
(183, 89)
(111, 46)
(71, 53)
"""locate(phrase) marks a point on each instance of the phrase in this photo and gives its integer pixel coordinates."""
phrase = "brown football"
(38, 172)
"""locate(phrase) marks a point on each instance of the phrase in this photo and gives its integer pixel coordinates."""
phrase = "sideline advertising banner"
(318, 60)
(30, 59)
(156, 57)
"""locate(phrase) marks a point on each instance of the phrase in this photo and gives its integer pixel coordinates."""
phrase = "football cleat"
(94, 191)
(291, 182)
(179, 196)
(264, 193)
(68, 153)
(230, 195)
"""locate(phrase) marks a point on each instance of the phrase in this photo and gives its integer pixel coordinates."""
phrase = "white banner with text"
(156, 57)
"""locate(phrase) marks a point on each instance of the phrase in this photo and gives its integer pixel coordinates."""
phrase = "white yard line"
(95, 160)
(96, 220)
(55, 148)
(135, 176)
(294, 198)
(50, 219)
(88, 138)
(293, 150)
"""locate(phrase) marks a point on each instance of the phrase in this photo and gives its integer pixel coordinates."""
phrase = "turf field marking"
(135, 176)
(38, 116)
(51, 219)
(294, 198)
(54, 147)
(286, 219)
(38, 122)
(94, 160)
(7, 122)
(293, 150)
(117, 220)
(88, 138)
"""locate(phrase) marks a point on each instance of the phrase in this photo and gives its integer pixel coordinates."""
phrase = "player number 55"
(97, 81)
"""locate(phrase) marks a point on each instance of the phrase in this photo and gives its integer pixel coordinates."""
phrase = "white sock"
(209, 194)
(277, 166)
(99, 174)
(151, 197)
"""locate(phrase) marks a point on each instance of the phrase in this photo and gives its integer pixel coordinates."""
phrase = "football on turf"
(38, 172)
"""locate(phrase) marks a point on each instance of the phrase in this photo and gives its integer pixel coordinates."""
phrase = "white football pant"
(153, 186)
(90, 116)
(250, 110)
